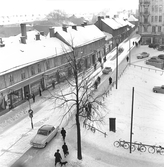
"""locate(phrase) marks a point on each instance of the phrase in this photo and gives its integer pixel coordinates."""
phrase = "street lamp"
(117, 43)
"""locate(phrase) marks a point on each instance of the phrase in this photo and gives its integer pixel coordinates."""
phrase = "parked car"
(106, 70)
(161, 48)
(153, 59)
(158, 89)
(161, 56)
(152, 45)
(44, 135)
(143, 55)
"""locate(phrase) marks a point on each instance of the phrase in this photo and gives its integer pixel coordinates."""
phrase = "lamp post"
(117, 43)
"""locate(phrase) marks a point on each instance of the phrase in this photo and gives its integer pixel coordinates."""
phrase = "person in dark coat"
(40, 92)
(110, 80)
(95, 66)
(99, 79)
(127, 58)
(65, 149)
(63, 133)
(96, 84)
(57, 157)
(53, 84)
(33, 97)
(101, 65)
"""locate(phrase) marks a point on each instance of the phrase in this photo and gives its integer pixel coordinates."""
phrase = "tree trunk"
(79, 155)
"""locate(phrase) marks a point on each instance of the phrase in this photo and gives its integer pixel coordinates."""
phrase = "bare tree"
(80, 97)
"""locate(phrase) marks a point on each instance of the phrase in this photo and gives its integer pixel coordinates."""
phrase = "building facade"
(151, 21)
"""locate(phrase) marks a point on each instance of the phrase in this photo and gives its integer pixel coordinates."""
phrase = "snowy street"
(97, 150)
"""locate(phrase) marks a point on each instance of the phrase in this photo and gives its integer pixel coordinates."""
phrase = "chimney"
(107, 17)
(37, 37)
(1, 43)
(23, 39)
(42, 33)
(99, 18)
(102, 17)
(23, 30)
(51, 30)
(85, 23)
(64, 28)
(74, 27)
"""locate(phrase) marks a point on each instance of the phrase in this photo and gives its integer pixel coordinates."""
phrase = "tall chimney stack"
(23, 30)
(23, 39)
(51, 30)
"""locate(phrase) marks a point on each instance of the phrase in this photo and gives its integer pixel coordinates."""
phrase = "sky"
(10, 7)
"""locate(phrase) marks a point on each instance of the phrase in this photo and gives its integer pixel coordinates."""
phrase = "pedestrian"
(65, 149)
(40, 92)
(33, 97)
(96, 84)
(133, 42)
(95, 66)
(110, 80)
(63, 133)
(99, 79)
(101, 65)
(53, 84)
(127, 58)
(104, 59)
(57, 157)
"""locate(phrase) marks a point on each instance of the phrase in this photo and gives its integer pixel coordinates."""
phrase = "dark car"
(161, 56)
(106, 70)
(143, 55)
(154, 59)
(152, 45)
(158, 89)
(161, 48)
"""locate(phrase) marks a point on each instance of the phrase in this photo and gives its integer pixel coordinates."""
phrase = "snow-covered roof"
(81, 36)
(17, 55)
(120, 21)
(129, 24)
(108, 36)
(132, 18)
(112, 23)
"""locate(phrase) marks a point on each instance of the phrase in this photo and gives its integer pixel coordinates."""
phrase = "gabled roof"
(81, 36)
(129, 24)
(112, 23)
(132, 18)
(15, 56)
(120, 21)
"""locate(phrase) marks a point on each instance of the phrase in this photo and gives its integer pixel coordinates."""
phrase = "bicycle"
(121, 143)
(157, 149)
(139, 146)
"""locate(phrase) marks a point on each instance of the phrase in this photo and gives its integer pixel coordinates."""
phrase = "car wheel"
(155, 91)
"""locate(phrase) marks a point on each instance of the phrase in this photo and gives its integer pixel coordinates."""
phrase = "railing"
(93, 129)
(139, 147)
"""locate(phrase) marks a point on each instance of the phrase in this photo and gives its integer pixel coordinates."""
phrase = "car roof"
(46, 127)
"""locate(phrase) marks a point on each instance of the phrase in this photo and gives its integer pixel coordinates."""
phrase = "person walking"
(57, 157)
(40, 92)
(33, 97)
(65, 149)
(63, 133)
(99, 79)
(53, 84)
(110, 80)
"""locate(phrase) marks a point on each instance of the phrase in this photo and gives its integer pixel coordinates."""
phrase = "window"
(159, 28)
(156, 18)
(145, 29)
(160, 8)
(39, 68)
(23, 76)
(152, 18)
(153, 28)
(145, 20)
(11, 78)
(156, 8)
(146, 10)
(160, 18)
(32, 70)
(47, 64)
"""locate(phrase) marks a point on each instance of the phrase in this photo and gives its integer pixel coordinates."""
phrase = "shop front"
(35, 87)
(3, 103)
(15, 98)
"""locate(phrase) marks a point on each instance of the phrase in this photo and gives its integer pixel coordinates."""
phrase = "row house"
(32, 62)
(119, 28)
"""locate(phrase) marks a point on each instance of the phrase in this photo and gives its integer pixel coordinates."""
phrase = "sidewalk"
(15, 115)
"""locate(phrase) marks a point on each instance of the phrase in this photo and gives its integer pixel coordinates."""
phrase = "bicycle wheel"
(151, 150)
(142, 148)
(162, 151)
(133, 147)
(117, 144)
(126, 145)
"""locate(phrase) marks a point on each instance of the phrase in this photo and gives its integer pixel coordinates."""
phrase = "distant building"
(151, 19)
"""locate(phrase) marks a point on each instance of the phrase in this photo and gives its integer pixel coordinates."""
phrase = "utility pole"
(131, 127)
(117, 66)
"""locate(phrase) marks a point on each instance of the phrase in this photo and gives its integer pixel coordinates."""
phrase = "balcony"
(145, 14)
(146, 23)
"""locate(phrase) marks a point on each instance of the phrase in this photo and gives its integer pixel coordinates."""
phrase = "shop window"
(32, 70)
(160, 8)
(23, 76)
(160, 18)
(152, 18)
(156, 18)
(11, 78)
(159, 28)
(39, 68)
